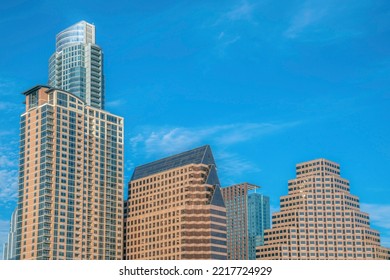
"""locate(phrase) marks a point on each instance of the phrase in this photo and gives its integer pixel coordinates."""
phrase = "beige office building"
(320, 219)
(175, 209)
(70, 179)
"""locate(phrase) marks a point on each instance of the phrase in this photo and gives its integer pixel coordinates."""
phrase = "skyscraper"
(9, 249)
(77, 64)
(247, 215)
(236, 201)
(175, 209)
(320, 219)
(70, 203)
(258, 221)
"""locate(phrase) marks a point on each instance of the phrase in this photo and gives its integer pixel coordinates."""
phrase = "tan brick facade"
(71, 179)
(175, 213)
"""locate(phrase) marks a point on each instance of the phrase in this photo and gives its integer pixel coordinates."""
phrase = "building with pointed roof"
(175, 209)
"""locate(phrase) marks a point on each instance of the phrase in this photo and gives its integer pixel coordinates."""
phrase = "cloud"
(379, 217)
(228, 20)
(229, 41)
(6, 84)
(152, 142)
(385, 240)
(4, 105)
(163, 141)
(274, 208)
(8, 185)
(379, 214)
(224, 41)
(241, 12)
(5, 161)
(231, 165)
(8, 170)
(306, 17)
(8, 90)
(116, 103)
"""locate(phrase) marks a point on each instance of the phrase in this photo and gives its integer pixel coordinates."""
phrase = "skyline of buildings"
(42, 235)
(319, 219)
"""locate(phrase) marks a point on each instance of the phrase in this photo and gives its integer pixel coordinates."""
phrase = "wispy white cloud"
(231, 165)
(243, 11)
(380, 219)
(159, 141)
(306, 17)
(152, 142)
(8, 170)
(4, 105)
(379, 214)
(228, 40)
(224, 41)
(385, 240)
(7, 162)
(8, 185)
(274, 209)
(116, 103)
(5, 84)
(7, 91)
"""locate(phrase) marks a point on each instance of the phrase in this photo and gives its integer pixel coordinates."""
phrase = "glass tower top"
(81, 32)
(77, 64)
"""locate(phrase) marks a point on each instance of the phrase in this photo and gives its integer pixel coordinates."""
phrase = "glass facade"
(199, 155)
(258, 221)
(77, 64)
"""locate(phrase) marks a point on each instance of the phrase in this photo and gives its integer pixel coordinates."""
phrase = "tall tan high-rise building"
(175, 209)
(70, 202)
(320, 219)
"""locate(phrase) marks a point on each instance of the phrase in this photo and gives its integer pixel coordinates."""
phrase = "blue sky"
(267, 85)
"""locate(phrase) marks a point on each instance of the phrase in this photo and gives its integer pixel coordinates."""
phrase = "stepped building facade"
(320, 219)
